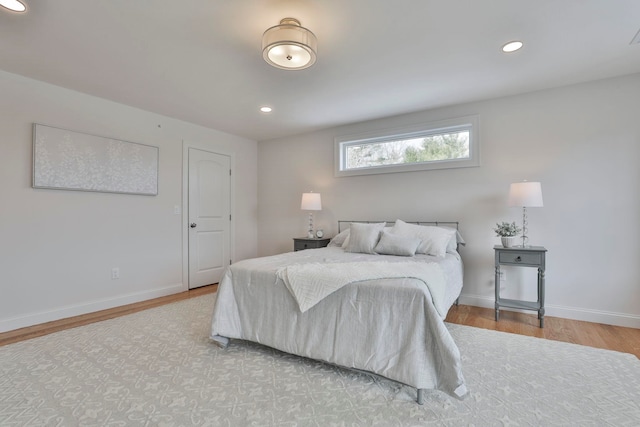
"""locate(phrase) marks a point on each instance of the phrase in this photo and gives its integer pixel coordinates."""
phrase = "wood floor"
(72, 322)
(610, 337)
(617, 338)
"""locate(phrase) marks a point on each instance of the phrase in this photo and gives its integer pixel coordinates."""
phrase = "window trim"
(408, 132)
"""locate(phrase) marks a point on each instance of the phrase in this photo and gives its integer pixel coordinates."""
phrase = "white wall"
(57, 247)
(581, 142)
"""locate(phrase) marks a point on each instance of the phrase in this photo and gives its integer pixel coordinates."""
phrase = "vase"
(509, 242)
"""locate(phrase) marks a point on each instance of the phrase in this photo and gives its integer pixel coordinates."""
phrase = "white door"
(209, 216)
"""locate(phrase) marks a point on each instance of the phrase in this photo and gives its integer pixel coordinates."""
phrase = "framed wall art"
(68, 160)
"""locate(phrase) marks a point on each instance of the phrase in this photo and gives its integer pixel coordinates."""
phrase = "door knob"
(193, 225)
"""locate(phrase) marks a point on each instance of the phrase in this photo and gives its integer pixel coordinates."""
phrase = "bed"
(385, 318)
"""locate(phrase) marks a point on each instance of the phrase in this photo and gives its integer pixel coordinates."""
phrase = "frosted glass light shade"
(289, 46)
(311, 202)
(526, 194)
(13, 5)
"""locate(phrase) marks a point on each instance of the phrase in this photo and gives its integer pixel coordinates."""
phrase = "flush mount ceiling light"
(512, 46)
(266, 109)
(289, 46)
(13, 5)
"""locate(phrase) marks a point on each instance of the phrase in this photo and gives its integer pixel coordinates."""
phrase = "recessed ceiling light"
(266, 109)
(13, 5)
(512, 46)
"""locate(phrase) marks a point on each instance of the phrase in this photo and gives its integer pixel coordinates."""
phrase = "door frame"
(184, 221)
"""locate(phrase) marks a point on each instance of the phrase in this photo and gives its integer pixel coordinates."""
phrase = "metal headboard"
(343, 225)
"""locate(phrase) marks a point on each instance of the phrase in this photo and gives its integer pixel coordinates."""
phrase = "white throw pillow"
(393, 244)
(434, 240)
(346, 240)
(455, 240)
(339, 239)
(363, 238)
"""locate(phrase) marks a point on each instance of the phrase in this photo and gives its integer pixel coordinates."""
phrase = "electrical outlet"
(176, 209)
(115, 273)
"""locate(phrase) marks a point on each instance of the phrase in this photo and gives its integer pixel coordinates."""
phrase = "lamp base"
(525, 238)
(310, 232)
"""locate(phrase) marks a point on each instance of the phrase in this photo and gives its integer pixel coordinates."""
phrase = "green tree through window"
(439, 147)
(449, 146)
(451, 143)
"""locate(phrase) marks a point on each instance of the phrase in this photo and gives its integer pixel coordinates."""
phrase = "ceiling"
(201, 61)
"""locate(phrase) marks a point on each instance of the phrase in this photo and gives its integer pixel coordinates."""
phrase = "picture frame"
(69, 160)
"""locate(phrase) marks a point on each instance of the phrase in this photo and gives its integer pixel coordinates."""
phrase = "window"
(441, 145)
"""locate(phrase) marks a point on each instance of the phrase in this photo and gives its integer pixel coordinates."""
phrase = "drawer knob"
(518, 259)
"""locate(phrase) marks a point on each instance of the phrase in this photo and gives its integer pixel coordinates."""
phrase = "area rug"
(158, 368)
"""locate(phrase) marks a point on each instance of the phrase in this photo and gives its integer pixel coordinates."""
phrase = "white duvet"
(390, 327)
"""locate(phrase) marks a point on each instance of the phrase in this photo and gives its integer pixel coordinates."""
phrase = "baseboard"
(587, 315)
(89, 307)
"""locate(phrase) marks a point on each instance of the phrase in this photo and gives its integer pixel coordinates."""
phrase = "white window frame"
(469, 123)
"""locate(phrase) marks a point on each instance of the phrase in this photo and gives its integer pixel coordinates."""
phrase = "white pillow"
(364, 237)
(346, 241)
(339, 239)
(434, 240)
(392, 244)
(456, 240)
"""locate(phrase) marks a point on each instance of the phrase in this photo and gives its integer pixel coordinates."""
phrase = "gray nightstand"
(531, 256)
(300, 243)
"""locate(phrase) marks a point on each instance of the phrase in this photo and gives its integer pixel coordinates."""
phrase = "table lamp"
(526, 195)
(311, 202)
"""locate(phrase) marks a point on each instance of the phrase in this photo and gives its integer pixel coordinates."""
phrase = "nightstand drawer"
(527, 258)
(300, 244)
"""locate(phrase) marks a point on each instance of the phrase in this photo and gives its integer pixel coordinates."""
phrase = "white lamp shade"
(526, 194)
(311, 202)
(289, 46)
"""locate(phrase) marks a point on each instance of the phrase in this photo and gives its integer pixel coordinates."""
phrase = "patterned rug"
(158, 368)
